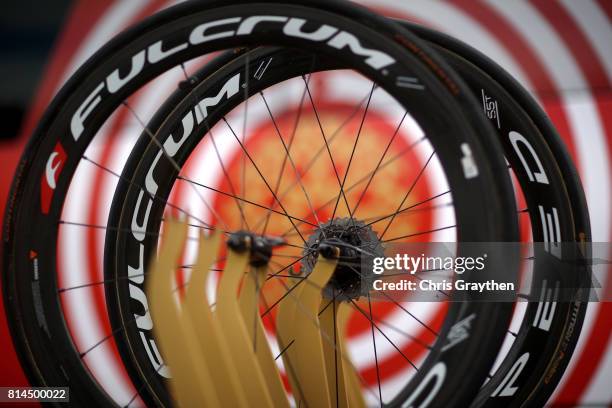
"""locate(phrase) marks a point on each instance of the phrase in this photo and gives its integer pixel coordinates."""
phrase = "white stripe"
(447, 18)
(599, 389)
(73, 265)
(118, 16)
(595, 25)
(584, 119)
(585, 124)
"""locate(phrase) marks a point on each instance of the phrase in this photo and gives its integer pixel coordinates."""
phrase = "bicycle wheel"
(544, 194)
(175, 35)
(544, 344)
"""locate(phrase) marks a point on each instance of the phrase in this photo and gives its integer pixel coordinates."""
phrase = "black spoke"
(143, 385)
(255, 306)
(365, 189)
(416, 234)
(410, 314)
(284, 296)
(319, 152)
(284, 163)
(361, 180)
(291, 219)
(290, 267)
(335, 347)
(284, 349)
(416, 180)
(298, 177)
(215, 147)
(405, 310)
(131, 320)
(373, 220)
(403, 333)
(348, 166)
(153, 196)
(325, 336)
(172, 161)
(375, 326)
(373, 344)
(109, 228)
(439, 290)
(244, 123)
(325, 141)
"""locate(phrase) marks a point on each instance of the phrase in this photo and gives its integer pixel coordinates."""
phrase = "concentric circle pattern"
(560, 51)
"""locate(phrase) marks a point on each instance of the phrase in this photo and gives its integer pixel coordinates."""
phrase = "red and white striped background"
(560, 50)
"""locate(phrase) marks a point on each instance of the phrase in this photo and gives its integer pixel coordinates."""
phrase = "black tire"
(562, 192)
(555, 346)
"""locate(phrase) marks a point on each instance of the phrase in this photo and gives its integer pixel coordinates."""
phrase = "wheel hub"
(358, 245)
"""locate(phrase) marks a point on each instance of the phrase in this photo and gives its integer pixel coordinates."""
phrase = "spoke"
(335, 347)
(287, 256)
(131, 320)
(120, 278)
(292, 233)
(416, 180)
(215, 147)
(373, 343)
(375, 326)
(288, 157)
(419, 233)
(105, 338)
(410, 208)
(407, 211)
(239, 203)
(388, 275)
(291, 219)
(302, 221)
(288, 362)
(363, 179)
(284, 276)
(172, 161)
(153, 196)
(379, 163)
(284, 163)
(255, 307)
(405, 310)
(284, 349)
(284, 296)
(325, 336)
(288, 267)
(348, 167)
(403, 333)
(321, 150)
(331, 158)
(143, 385)
(410, 314)
(244, 122)
(129, 230)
